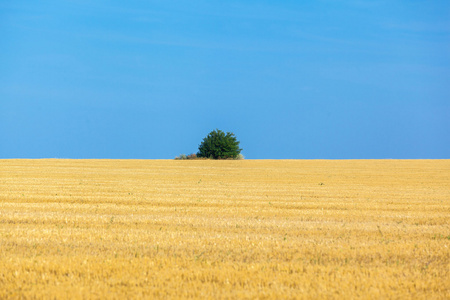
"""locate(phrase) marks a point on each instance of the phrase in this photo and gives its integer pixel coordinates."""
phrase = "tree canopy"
(219, 145)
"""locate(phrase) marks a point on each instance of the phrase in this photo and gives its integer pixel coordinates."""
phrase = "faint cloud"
(422, 27)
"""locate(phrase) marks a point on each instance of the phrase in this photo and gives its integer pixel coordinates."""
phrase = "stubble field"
(127, 229)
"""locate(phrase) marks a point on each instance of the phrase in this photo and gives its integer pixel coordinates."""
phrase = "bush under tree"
(184, 156)
(219, 145)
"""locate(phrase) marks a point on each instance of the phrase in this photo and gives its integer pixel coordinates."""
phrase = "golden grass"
(224, 229)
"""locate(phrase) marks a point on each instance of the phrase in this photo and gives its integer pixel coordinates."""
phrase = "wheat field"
(265, 229)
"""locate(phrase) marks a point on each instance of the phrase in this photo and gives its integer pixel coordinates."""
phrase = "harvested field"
(119, 229)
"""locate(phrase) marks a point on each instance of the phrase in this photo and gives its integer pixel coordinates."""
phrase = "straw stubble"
(225, 229)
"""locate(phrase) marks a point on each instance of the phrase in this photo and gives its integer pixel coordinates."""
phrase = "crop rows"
(117, 229)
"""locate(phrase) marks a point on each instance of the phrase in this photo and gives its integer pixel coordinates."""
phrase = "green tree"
(218, 145)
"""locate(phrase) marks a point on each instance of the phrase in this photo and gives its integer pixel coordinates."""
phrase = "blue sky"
(344, 79)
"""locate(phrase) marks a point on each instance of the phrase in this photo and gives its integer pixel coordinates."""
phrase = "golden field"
(276, 229)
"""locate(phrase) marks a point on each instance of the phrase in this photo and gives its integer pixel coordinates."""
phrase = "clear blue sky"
(292, 79)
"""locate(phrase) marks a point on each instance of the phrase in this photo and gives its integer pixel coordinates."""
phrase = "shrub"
(218, 145)
(184, 156)
(192, 156)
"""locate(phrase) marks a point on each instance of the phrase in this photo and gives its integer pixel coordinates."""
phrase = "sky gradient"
(292, 79)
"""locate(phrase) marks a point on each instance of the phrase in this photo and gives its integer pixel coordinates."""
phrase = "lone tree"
(218, 145)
